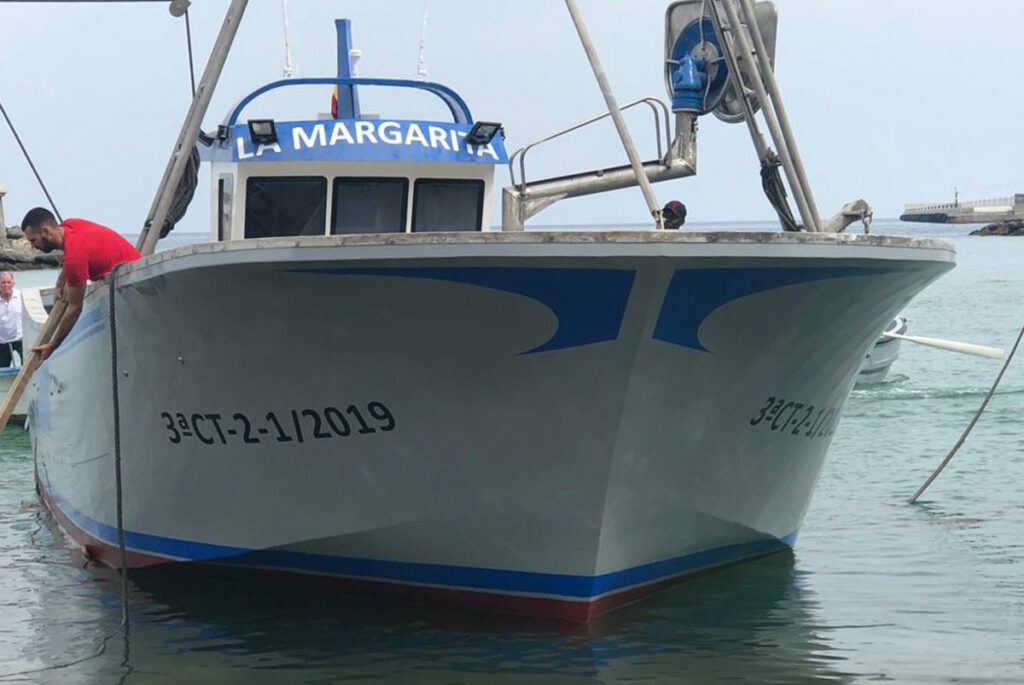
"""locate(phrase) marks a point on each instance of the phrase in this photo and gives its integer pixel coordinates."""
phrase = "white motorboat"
(882, 354)
(358, 379)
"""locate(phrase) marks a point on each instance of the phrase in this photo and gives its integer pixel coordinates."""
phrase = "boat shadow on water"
(751, 623)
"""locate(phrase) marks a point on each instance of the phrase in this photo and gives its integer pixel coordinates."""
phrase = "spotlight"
(178, 7)
(483, 132)
(262, 131)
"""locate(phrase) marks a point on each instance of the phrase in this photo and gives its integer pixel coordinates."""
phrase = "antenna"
(421, 66)
(287, 44)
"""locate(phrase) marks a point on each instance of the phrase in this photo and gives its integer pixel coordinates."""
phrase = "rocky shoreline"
(1015, 227)
(17, 255)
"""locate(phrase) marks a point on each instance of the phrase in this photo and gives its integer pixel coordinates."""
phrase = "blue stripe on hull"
(588, 303)
(457, 577)
(693, 294)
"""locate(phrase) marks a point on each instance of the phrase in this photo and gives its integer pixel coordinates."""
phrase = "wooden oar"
(29, 362)
(951, 345)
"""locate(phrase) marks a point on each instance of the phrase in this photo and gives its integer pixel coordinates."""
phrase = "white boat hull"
(882, 355)
(7, 377)
(551, 424)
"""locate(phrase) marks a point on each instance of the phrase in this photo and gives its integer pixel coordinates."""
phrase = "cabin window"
(442, 204)
(225, 200)
(285, 206)
(369, 205)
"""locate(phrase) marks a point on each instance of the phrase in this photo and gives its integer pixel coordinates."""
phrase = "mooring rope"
(970, 426)
(28, 158)
(119, 491)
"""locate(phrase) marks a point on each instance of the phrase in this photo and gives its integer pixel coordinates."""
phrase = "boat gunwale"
(579, 237)
(932, 249)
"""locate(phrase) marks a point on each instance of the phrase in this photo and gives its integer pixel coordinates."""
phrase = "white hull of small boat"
(7, 377)
(543, 423)
(882, 354)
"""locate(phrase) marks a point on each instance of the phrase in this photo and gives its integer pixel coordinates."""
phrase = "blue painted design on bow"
(694, 293)
(588, 303)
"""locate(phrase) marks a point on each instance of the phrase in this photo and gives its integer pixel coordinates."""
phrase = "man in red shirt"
(91, 251)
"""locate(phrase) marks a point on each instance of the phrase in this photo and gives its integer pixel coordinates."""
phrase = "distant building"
(989, 211)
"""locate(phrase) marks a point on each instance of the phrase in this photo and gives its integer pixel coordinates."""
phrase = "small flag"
(334, 102)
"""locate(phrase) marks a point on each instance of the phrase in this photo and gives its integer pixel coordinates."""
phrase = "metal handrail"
(456, 105)
(651, 102)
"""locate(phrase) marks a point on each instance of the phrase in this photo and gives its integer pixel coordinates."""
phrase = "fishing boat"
(882, 354)
(358, 379)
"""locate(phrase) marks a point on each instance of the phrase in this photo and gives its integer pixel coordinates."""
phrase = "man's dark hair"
(36, 218)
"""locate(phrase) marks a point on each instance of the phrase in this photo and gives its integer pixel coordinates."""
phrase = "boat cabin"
(348, 173)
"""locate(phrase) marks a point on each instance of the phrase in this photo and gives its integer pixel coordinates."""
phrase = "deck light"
(482, 132)
(179, 7)
(262, 131)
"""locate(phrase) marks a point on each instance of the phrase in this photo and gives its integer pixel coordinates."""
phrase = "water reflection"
(756, 622)
(751, 623)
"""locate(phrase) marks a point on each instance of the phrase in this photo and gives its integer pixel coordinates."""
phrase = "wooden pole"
(29, 363)
(3, 224)
(951, 345)
(182, 150)
(616, 114)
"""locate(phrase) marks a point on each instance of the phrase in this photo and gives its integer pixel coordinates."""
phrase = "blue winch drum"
(699, 40)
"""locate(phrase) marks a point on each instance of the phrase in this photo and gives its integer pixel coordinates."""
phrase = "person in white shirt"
(10, 320)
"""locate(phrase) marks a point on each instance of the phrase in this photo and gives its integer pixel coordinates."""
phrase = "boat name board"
(359, 140)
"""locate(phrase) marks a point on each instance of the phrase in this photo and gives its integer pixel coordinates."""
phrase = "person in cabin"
(673, 214)
(91, 251)
(10, 320)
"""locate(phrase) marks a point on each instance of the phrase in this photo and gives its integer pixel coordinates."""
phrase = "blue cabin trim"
(358, 140)
(456, 105)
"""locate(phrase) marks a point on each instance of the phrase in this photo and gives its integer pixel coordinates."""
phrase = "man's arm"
(75, 295)
(58, 289)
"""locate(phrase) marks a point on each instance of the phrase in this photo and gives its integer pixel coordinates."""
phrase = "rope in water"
(970, 426)
(28, 158)
(119, 491)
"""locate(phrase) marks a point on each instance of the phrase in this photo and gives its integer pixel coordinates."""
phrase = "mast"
(287, 44)
(615, 112)
(182, 150)
(421, 65)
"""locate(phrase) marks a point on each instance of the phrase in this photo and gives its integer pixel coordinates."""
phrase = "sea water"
(876, 589)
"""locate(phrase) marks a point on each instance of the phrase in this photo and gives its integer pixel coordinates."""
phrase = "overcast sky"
(894, 101)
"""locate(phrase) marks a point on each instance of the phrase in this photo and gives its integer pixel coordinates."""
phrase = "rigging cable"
(30, 163)
(118, 488)
(183, 193)
(970, 426)
(190, 179)
(191, 65)
(775, 191)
